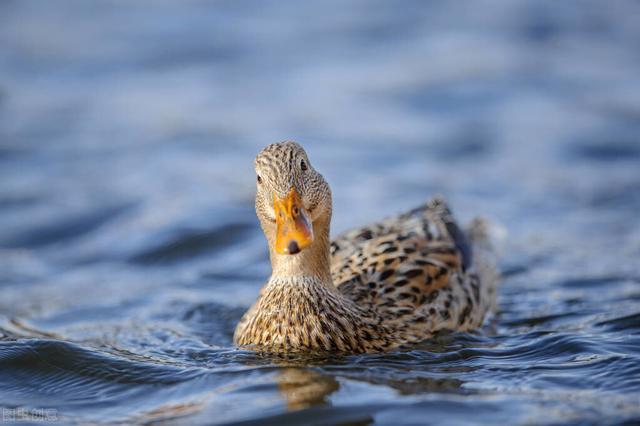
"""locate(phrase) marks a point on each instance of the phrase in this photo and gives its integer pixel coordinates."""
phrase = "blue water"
(129, 247)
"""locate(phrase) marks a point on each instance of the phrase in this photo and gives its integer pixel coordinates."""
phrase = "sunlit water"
(130, 249)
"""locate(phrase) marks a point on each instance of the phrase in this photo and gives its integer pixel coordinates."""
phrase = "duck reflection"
(304, 388)
(308, 381)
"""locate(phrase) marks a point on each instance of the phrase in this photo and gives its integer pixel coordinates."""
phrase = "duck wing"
(410, 268)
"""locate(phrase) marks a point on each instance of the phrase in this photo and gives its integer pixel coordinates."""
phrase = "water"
(129, 247)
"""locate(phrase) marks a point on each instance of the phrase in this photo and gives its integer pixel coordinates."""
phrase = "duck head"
(293, 203)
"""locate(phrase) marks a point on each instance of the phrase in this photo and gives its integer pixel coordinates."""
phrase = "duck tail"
(486, 240)
(479, 243)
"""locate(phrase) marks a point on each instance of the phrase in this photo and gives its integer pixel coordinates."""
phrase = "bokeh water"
(129, 247)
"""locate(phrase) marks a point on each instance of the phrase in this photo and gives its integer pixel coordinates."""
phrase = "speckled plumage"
(372, 289)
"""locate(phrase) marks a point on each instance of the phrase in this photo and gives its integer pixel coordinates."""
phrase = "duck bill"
(295, 231)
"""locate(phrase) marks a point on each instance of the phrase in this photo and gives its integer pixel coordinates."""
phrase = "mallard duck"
(372, 289)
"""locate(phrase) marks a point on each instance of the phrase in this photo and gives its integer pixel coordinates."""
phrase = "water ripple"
(130, 248)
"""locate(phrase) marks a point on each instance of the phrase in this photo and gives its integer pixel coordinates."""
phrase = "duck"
(377, 288)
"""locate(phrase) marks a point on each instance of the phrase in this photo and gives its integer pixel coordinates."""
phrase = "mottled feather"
(413, 269)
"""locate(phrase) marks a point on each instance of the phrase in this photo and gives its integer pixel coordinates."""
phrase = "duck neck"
(312, 264)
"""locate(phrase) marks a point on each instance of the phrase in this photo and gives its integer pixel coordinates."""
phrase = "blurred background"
(129, 247)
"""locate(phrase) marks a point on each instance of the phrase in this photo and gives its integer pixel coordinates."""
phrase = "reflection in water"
(418, 385)
(304, 388)
(306, 381)
(170, 412)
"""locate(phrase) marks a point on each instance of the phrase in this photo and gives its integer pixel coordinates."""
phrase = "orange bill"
(294, 226)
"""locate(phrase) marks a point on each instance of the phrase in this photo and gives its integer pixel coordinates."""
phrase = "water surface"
(129, 247)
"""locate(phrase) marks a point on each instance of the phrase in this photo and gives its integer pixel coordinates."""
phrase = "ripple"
(539, 320)
(191, 244)
(627, 323)
(54, 373)
(585, 282)
(608, 151)
(72, 226)
(213, 322)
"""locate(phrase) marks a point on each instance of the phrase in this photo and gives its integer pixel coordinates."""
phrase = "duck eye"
(259, 179)
(303, 165)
